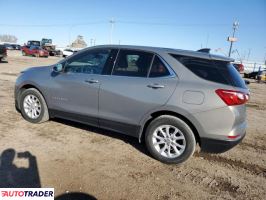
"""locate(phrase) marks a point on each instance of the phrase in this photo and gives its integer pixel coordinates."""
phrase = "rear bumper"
(218, 146)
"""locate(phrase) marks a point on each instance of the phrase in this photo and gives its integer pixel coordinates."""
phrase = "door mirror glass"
(58, 68)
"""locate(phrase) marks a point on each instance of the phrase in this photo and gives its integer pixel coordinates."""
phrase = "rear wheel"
(33, 106)
(170, 140)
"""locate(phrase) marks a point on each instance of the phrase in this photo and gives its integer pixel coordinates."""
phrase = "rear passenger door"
(139, 82)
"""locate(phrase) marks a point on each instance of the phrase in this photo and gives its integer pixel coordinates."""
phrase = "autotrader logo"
(26, 193)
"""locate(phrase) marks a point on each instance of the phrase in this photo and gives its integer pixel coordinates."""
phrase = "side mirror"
(58, 68)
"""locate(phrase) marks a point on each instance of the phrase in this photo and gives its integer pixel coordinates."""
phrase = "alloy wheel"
(169, 141)
(32, 106)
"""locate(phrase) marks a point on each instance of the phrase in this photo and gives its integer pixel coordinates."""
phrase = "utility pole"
(265, 57)
(112, 22)
(249, 51)
(69, 34)
(233, 39)
(207, 40)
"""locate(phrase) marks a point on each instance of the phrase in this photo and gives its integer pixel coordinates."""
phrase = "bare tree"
(8, 38)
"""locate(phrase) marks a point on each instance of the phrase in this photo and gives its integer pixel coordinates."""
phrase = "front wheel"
(33, 106)
(170, 140)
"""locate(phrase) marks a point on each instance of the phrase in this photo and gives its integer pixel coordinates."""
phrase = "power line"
(167, 24)
(124, 22)
(53, 25)
(112, 22)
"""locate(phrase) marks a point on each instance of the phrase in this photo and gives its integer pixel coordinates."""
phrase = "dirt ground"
(76, 158)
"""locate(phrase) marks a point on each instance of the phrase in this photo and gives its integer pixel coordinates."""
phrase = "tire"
(42, 113)
(183, 140)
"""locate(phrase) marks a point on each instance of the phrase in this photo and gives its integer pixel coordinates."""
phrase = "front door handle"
(92, 81)
(155, 86)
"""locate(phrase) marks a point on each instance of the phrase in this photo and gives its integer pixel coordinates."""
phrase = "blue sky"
(184, 24)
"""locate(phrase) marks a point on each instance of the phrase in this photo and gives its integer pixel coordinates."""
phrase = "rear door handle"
(155, 86)
(92, 81)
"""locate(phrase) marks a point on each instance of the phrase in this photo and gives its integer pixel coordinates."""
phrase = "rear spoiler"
(204, 50)
(216, 57)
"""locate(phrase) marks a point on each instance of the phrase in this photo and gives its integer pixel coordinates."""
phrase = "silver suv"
(171, 99)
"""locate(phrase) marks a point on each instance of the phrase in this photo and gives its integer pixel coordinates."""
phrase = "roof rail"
(205, 50)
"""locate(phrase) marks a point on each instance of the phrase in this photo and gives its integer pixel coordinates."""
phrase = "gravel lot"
(77, 158)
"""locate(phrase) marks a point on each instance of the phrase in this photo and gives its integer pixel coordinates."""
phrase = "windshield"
(49, 41)
(33, 43)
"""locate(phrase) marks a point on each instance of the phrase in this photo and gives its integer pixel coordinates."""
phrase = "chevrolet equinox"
(171, 99)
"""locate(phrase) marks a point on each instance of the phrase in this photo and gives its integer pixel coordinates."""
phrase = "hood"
(40, 68)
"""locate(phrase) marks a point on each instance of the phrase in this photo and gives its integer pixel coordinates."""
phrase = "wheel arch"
(25, 87)
(156, 114)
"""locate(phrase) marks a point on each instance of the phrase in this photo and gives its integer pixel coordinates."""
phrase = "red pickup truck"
(34, 51)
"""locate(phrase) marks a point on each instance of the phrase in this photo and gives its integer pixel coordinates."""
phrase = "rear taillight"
(233, 136)
(232, 97)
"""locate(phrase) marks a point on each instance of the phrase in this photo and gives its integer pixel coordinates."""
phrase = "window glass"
(158, 69)
(132, 63)
(35, 48)
(91, 62)
(212, 70)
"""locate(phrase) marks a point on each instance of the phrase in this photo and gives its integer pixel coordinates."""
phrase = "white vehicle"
(67, 52)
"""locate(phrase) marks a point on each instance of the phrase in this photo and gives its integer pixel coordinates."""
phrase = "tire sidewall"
(183, 127)
(38, 95)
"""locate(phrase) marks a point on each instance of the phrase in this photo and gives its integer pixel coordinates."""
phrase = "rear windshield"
(212, 70)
